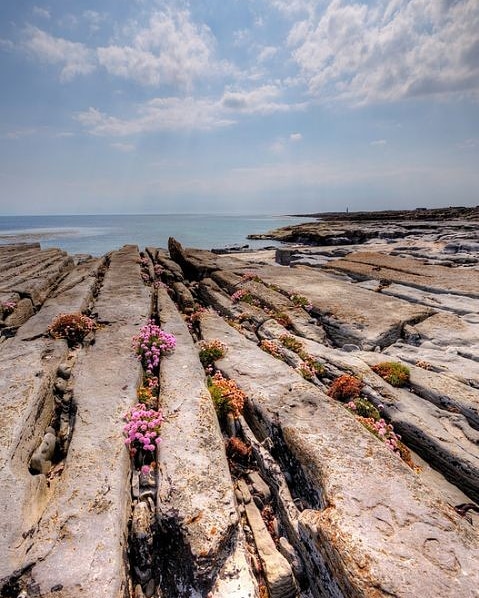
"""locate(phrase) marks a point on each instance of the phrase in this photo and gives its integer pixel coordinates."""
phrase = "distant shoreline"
(467, 213)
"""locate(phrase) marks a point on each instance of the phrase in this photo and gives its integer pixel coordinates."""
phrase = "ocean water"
(98, 234)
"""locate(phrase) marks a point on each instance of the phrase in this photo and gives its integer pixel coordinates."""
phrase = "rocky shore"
(318, 408)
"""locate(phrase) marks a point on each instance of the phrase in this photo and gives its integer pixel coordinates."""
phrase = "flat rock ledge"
(293, 498)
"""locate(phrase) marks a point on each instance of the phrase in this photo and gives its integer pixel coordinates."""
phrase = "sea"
(99, 234)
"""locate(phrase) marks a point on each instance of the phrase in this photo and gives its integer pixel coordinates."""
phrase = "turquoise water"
(99, 234)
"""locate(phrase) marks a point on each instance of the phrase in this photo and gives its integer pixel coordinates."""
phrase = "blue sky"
(264, 106)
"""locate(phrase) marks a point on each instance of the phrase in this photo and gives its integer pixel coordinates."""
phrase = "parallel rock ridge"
(308, 493)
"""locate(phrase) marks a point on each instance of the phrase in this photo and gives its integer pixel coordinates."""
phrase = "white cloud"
(389, 51)
(295, 137)
(160, 114)
(261, 100)
(290, 7)
(468, 144)
(170, 50)
(189, 113)
(75, 57)
(378, 142)
(123, 147)
(278, 146)
(94, 19)
(20, 133)
(266, 53)
(41, 12)
(6, 44)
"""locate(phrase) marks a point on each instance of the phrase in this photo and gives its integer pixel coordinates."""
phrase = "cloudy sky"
(264, 106)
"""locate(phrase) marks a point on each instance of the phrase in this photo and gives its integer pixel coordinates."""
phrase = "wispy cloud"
(378, 142)
(73, 57)
(41, 12)
(160, 114)
(190, 113)
(389, 51)
(94, 19)
(21, 133)
(123, 147)
(260, 100)
(172, 49)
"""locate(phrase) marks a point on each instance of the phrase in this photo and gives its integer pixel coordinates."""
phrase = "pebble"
(60, 385)
(64, 371)
(150, 588)
(41, 460)
(259, 485)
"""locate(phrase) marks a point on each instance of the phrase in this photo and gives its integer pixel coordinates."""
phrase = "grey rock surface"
(350, 529)
(195, 502)
(82, 519)
(348, 314)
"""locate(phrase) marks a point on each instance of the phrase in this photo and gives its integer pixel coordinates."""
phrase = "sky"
(238, 106)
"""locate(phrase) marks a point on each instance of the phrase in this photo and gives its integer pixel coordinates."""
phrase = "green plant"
(72, 327)
(272, 348)
(250, 276)
(210, 351)
(301, 301)
(393, 372)
(226, 395)
(291, 343)
(282, 318)
(306, 371)
(345, 388)
(317, 367)
(364, 408)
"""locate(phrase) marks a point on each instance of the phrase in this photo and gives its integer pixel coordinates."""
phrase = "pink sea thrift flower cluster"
(151, 344)
(383, 431)
(8, 306)
(142, 428)
(238, 295)
(250, 276)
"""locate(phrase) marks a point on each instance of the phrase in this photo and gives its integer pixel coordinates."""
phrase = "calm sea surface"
(99, 234)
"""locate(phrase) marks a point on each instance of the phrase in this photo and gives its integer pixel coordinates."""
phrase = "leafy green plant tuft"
(210, 351)
(393, 372)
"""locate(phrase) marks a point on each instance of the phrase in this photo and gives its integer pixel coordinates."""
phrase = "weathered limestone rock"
(446, 361)
(443, 436)
(437, 301)
(84, 522)
(74, 294)
(211, 293)
(195, 502)
(36, 278)
(23, 310)
(278, 573)
(27, 373)
(408, 271)
(236, 580)
(171, 269)
(447, 393)
(365, 495)
(184, 297)
(348, 314)
(451, 331)
(41, 460)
